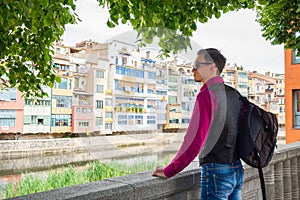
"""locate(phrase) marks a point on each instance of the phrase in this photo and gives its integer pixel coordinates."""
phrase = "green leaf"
(110, 24)
(218, 14)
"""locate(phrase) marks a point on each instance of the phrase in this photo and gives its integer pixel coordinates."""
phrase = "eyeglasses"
(198, 64)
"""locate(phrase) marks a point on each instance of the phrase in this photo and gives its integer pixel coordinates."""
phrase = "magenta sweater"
(203, 114)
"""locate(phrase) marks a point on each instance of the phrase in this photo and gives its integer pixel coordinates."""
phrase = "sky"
(236, 34)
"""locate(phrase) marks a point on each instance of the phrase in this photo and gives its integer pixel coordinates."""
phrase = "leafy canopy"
(29, 27)
(170, 20)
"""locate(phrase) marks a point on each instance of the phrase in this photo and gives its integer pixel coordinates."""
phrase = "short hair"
(215, 56)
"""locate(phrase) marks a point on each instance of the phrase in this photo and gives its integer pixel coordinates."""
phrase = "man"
(213, 130)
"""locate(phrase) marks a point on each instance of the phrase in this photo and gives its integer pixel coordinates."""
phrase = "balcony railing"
(269, 90)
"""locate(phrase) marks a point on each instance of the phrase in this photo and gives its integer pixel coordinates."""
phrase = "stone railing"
(281, 178)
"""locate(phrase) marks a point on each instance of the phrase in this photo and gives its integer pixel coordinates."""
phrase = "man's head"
(209, 63)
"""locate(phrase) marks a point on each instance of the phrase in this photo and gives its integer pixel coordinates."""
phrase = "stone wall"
(281, 178)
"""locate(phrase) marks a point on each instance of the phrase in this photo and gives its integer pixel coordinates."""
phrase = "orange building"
(292, 96)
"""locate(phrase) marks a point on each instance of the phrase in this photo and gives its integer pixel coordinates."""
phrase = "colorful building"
(118, 87)
(62, 93)
(82, 104)
(37, 114)
(11, 111)
(292, 96)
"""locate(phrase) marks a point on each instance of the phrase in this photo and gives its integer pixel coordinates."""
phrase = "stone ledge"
(185, 185)
(135, 186)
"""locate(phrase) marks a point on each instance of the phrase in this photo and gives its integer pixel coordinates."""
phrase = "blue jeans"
(222, 181)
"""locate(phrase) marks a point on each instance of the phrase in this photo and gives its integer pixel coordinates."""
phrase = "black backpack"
(257, 136)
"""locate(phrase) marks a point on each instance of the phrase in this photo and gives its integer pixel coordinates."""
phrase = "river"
(124, 149)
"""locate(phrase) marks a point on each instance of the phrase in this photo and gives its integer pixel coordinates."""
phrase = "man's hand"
(159, 172)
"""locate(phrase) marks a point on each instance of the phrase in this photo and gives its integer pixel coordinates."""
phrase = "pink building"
(11, 111)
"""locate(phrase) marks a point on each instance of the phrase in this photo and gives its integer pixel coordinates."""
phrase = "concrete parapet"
(282, 182)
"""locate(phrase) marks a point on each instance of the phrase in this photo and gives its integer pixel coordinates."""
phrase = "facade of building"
(268, 92)
(236, 78)
(116, 87)
(37, 114)
(292, 96)
(82, 104)
(62, 93)
(11, 111)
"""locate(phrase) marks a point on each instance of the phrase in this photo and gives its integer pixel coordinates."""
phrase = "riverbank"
(27, 148)
(37, 155)
(18, 156)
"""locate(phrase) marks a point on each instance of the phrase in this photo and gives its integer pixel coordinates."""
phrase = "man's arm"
(194, 138)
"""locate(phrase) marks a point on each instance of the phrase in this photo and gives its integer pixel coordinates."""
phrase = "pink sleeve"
(195, 135)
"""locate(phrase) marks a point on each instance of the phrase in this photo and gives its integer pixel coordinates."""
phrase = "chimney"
(148, 55)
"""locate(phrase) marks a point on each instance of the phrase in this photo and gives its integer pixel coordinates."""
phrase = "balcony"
(108, 120)
(81, 71)
(269, 90)
(108, 108)
(108, 92)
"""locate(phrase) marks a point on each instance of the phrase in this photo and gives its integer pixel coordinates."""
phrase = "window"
(8, 118)
(173, 88)
(187, 106)
(99, 121)
(152, 75)
(33, 119)
(8, 95)
(122, 119)
(296, 94)
(230, 73)
(173, 79)
(63, 84)
(83, 111)
(151, 103)
(172, 99)
(139, 119)
(30, 102)
(150, 119)
(124, 60)
(108, 115)
(161, 92)
(131, 119)
(76, 82)
(99, 104)
(151, 89)
(99, 74)
(296, 59)
(78, 110)
(99, 88)
(63, 101)
(61, 120)
(161, 116)
(188, 81)
(84, 124)
(161, 105)
(41, 121)
(186, 121)
(108, 102)
(108, 126)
